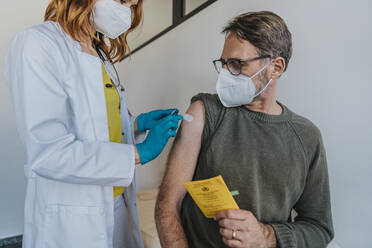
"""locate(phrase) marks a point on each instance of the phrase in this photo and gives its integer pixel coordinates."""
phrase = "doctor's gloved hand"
(158, 138)
(148, 120)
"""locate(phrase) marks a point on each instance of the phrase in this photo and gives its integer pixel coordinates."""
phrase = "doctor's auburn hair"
(266, 31)
(74, 16)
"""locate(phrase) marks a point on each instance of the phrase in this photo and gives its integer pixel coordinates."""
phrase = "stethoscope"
(105, 62)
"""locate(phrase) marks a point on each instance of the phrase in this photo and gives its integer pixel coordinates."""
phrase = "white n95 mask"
(238, 90)
(111, 18)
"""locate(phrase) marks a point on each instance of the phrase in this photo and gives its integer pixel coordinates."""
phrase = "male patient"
(272, 156)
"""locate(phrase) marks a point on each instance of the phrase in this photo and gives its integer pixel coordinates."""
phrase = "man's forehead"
(238, 48)
(134, 2)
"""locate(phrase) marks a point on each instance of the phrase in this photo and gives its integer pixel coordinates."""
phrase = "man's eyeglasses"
(235, 65)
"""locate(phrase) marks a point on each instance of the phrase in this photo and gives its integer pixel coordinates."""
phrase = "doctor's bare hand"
(240, 228)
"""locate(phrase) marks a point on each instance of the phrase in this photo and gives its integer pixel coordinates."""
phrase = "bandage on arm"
(188, 117)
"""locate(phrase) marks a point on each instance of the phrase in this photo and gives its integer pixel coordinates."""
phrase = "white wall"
(158, 15)
(327, 81)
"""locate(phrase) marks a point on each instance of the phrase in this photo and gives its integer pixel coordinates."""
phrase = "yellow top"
(113, 115)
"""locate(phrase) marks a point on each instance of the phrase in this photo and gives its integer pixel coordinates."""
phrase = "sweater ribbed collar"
(283, 117)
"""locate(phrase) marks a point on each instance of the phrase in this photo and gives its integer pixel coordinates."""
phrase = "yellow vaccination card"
(211, 195)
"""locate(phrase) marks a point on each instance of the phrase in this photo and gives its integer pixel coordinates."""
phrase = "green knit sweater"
(276, 162)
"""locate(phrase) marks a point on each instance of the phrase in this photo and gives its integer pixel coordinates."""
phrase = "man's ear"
(278, 66)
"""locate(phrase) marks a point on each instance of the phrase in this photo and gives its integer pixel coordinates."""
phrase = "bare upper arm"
(183, 157)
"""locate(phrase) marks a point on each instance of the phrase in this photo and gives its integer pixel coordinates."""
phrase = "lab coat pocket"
(74, 226)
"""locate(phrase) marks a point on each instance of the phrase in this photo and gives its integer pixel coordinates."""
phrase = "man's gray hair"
(266, 31)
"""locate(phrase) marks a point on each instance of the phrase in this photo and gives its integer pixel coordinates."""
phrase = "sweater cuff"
(284, 236)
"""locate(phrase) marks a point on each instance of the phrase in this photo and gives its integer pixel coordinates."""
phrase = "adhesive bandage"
(188, 118)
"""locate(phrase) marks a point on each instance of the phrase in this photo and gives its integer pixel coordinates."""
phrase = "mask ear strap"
(259, 71)
(267, 85)
(261, 91)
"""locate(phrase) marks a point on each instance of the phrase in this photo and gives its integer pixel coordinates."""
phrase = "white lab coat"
(71, 167)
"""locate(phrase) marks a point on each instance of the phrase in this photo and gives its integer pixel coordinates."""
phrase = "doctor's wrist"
(136, 155)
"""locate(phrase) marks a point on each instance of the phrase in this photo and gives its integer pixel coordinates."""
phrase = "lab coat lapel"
(125, 123)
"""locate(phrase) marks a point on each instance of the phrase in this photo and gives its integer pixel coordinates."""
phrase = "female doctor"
(82, 143)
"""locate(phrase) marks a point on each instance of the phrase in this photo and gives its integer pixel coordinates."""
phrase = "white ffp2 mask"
(238, 90)
(111, 18)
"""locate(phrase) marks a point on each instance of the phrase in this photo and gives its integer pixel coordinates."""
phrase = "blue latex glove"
(158, 137)
(148, 120)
